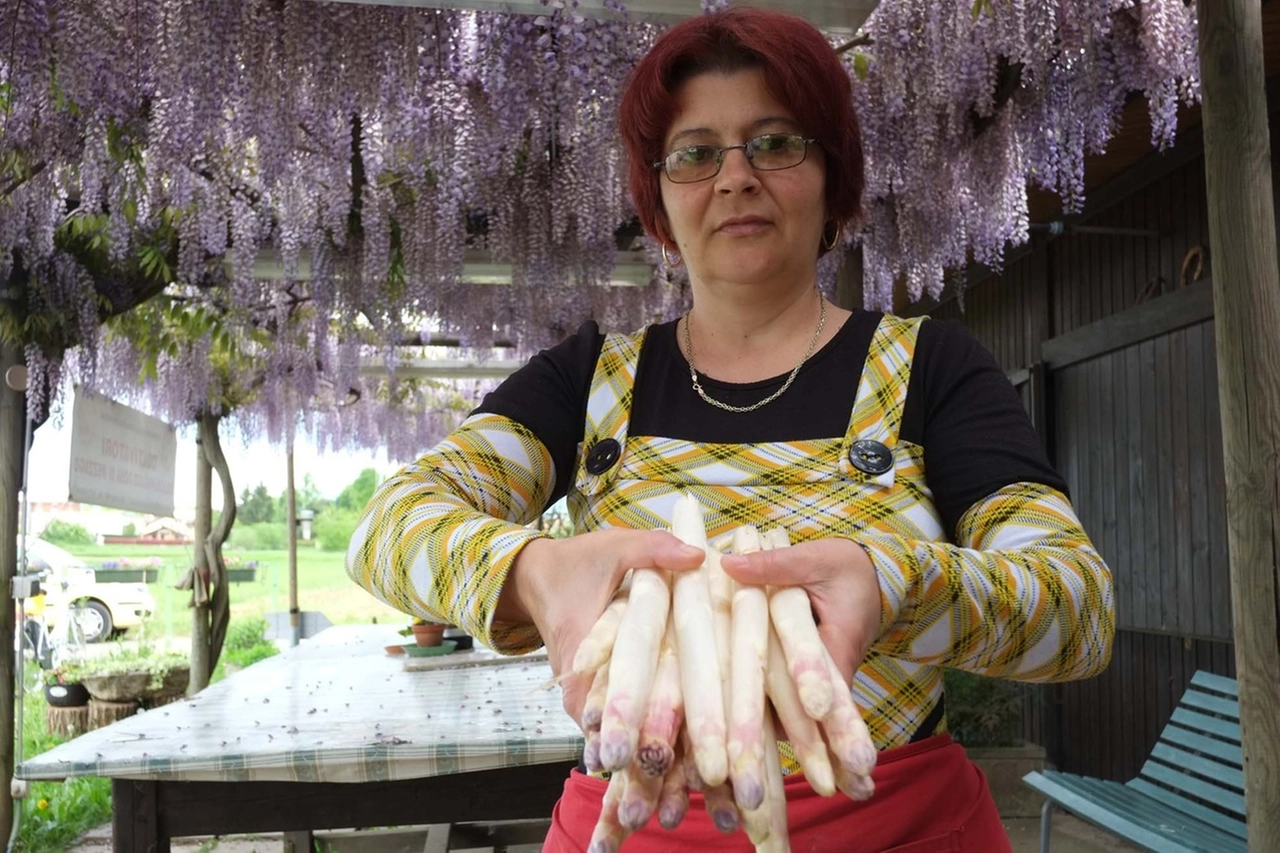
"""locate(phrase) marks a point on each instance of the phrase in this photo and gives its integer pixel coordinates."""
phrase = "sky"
(251, 464)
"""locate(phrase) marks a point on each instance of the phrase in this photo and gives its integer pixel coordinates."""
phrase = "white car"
(106, 608)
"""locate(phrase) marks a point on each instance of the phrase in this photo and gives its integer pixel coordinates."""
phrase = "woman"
(932, 531)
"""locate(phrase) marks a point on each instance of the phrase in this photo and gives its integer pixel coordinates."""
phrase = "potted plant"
(63, 687)
(427, 633)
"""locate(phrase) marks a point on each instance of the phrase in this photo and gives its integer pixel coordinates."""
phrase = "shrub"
(333, 528)
(983, 711)
(245, 634)
(61, 532)
(266, 536)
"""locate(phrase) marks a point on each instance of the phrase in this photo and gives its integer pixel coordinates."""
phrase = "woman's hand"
(563, 585)
(842, 585)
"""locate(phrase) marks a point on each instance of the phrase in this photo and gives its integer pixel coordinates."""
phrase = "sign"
(120, 457)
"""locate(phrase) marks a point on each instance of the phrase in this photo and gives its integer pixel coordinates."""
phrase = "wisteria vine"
(368, 150)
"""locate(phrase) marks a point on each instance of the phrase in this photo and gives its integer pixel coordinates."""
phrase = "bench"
(1189, 795)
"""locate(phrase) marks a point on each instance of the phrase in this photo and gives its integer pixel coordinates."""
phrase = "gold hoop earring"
(667, 260)
(835, 239)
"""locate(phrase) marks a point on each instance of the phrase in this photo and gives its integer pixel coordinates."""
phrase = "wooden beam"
(835, 16)
(442, 368)
(1188, 306)
(1246, 290)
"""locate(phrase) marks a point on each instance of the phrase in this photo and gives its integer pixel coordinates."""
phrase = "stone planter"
(1004, 767)
(118, 686)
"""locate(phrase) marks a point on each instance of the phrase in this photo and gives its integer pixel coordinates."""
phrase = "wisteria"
(323, 174)
(961, 112)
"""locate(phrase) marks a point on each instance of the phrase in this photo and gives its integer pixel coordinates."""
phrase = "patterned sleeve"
(439, 537)
(1024, 596)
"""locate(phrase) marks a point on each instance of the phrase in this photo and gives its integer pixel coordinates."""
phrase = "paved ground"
(1069, 836)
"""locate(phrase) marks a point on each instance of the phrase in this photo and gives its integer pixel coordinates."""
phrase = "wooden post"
(1246, 295)
(13, 426)
(201, 666)
(291, 504)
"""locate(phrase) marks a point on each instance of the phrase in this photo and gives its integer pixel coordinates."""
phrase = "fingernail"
(733, 561)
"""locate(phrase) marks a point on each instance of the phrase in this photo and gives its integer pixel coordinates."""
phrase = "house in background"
(157, 531)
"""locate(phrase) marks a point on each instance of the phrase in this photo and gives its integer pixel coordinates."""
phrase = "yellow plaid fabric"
(1023, 595)
(1028, 597)
(439, 537)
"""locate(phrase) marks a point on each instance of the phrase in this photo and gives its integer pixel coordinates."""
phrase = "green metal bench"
(1189, 795)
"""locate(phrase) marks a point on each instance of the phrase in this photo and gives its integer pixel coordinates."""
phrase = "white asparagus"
(792, 614)
(593, 706)
(591, 752)
(801, 729)
(661, 726)
(847, 734)
(691, 777)
(696, 646)
(853, 786)
(779, 839)
(594, 650)
(673, 801)
(609, 833)
(756, 820)
(632, 667)
(640, 799)
(750, 625)
(724, 812)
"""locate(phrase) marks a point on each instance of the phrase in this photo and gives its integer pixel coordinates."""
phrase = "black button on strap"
(870, 457)
(602, 455)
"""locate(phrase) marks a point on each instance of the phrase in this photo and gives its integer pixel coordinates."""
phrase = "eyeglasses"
(768, 153)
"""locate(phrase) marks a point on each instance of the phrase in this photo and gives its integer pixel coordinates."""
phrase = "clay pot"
(429, 634)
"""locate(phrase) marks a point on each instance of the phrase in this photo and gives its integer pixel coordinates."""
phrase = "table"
(333, 733)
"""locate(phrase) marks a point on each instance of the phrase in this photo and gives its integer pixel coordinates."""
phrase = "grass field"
(323, 586)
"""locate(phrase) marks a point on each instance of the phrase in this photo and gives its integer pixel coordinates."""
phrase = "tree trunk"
(13, 414)
(1246, 297)
(220, 606)
(201, 668)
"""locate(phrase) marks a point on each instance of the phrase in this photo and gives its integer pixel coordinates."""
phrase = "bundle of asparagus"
(688, 673)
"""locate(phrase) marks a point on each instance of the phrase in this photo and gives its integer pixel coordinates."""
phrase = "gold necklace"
(697, 386)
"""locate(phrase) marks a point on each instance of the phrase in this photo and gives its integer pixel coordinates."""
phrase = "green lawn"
(323, 585)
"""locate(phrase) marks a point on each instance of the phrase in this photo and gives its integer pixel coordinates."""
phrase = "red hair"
(801, 70)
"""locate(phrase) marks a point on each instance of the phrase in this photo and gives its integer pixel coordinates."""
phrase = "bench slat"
(1122, 799)
(1153, 770)
(1118, 809)
(1213, 704)
(1182, 804)
(1229, 754)
(1216, 774)
(1216, 683)
(1215, 726)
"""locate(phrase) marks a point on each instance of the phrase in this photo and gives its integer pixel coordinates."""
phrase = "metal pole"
(291, 501)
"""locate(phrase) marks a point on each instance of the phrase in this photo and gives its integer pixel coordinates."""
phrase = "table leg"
(437, 838)
(135, 818)
(298, 841)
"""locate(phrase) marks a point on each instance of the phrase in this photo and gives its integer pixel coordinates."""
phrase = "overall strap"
(604, 435)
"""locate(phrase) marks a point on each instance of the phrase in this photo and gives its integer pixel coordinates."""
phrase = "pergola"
(1246, 281)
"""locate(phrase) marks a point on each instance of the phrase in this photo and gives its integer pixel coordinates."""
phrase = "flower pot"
(428, 635)
(71, 695)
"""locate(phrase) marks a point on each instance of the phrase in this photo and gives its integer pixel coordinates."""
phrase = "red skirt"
(930, 798)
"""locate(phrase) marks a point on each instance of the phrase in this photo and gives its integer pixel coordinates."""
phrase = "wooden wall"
(1125, 343)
